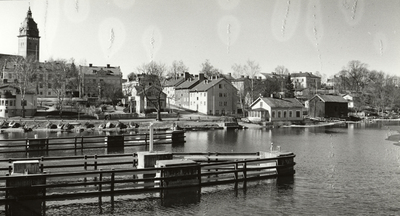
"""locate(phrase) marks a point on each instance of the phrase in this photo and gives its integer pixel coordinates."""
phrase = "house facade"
(214, 97)
(303, 80)
(96, 79)
(182, 91)
(11, 102)
(327, 106)
(142, 103)
(171, 84)
(269, 109)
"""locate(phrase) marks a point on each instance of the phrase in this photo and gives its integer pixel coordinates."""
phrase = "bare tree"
(208, 70)
(153, 83)
(357, 72)
(57, 80)
(177, 68)
(25, 77)
(281, 70)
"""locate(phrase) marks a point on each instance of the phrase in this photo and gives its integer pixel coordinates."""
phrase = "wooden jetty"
(29, 182)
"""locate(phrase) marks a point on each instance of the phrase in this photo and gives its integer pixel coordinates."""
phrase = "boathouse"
(269, 109)
(328, 106)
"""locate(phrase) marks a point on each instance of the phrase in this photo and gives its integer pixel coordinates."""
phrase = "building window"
(290, 114)
(298, 114)
(284, 114)
(11, 103)
(279, 114)
(273, 114)
(49, 93)
(220, 85)
(220, 94)
(225, 103)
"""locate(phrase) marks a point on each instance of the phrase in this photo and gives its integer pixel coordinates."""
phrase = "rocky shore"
(22, 125)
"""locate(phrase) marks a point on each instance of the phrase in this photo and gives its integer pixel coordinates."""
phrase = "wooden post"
(95, 162)
(112, 189)
(75, 142)
(81, 144)
(145, 141)
(41, 164)
(47, 146)
(236, 175)
(9, 166)
(100, 189)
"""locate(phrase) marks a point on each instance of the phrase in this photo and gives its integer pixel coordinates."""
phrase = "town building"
(182, 91)
(327, 106)
(11, 102)
(171, 84)
(350, 100)
(97, 79)
(214, 97)
(270, 109)
(304, 80)
(145, 100)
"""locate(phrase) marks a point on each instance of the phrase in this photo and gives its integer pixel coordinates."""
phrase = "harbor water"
(340, 170)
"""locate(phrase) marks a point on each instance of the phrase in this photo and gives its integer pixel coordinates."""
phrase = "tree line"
(372, 89)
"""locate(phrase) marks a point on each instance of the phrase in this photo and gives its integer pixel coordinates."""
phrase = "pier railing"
(111, 182)
(32, 147)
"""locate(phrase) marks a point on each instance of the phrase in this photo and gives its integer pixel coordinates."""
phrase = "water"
(341, 170)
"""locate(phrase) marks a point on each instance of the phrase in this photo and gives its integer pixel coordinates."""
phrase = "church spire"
(28, 38)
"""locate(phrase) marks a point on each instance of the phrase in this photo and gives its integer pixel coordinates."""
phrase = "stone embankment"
(105, 125)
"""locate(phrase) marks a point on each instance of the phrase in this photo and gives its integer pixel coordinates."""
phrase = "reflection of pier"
(172, 175)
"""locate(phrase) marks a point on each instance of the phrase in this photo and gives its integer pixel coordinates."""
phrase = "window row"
(284, 114)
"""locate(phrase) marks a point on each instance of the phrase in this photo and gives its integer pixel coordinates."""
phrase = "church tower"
(28, 38)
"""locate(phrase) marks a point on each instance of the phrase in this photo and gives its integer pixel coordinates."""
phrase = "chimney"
(201, 76)
(230, 74)
(247, 77)
(90, 65)
(196, 76)
(187, 75)
(108, 65)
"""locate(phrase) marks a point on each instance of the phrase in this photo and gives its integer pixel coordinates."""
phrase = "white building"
(11, 102)
(268, 109)
(214, 97)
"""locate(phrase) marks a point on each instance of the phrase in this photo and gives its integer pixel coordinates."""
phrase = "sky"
(302, 35)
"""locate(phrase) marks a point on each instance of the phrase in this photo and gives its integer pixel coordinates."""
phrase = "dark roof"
(280, 102)
(174, 81)
(29, 26)
(304, 74)
(207, 84)
(331, 98)
(188, 84)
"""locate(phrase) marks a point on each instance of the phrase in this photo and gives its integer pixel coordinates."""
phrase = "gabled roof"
(207, 84)
(188, 84)
(304, 74)
(174, 82)
(140, 89)
(280, 102)
(330, 98)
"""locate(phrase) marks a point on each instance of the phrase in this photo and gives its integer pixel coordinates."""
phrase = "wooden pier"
(113, 175)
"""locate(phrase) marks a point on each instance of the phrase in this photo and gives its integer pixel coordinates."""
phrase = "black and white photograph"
(199, 107)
